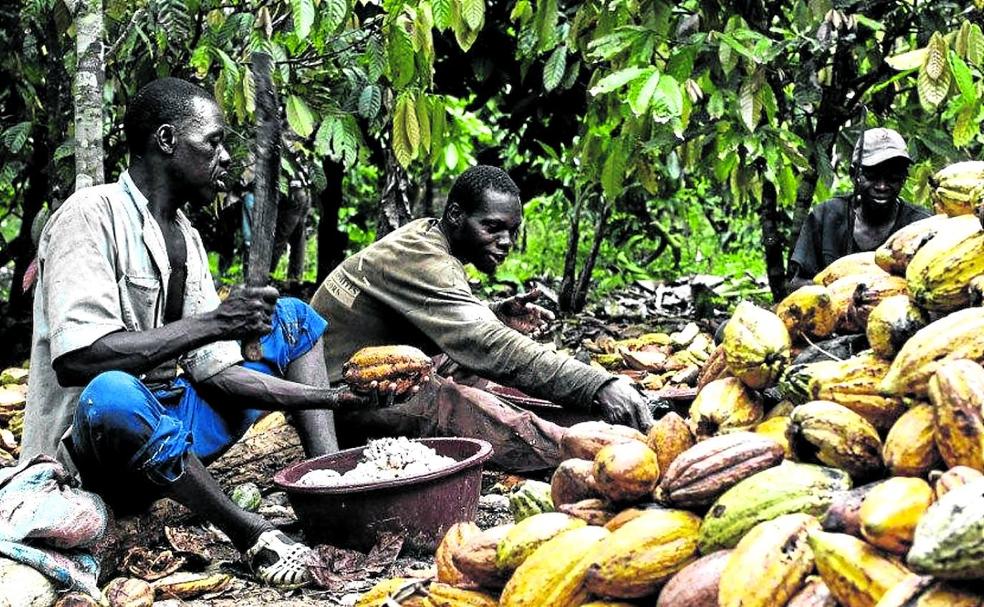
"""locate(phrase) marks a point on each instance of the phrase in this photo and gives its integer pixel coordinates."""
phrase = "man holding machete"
(145, 385)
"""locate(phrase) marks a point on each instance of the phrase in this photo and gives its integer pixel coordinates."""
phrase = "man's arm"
(246, 312)
(240, 387)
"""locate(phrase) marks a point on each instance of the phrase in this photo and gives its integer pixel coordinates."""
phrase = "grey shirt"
(103, 268)
(408, 289)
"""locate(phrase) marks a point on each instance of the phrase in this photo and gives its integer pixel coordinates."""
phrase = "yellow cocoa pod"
(924, 591)
(381, 595)
(849, 265)
(756, 345)
(476, 558)
(854, 383)
(626, 471)
(593, 511)
(940, 272)
(892, 322)
(554, 575)
(957, 476)
(669, 437)
(456, 537)
(957, 391)
(586, 439)
(777, 428)
(854, 571)
(573, 481)
(895, 254)
(808, 311)
(529, 534)
(956, 189)
(891, 510)
(724, 405)
(957, 335)
(843, 290)
(402, 366)
(867, 296)
(778, 552)
(445, 595)
(910, 449)
(643, 553)
(836, 436)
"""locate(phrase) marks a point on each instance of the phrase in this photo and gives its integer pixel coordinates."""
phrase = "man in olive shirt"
(863, 220)
(411, 288)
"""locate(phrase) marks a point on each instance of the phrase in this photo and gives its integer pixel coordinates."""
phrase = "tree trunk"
(394, 208)
(89, 78)
(331, 242)
(581, 293)
(772, 240)
(568, 284)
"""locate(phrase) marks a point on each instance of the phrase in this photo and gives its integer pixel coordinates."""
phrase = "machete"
(266, 183)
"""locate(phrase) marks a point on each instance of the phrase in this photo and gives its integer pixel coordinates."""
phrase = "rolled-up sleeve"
(202, 363)
(78, 280)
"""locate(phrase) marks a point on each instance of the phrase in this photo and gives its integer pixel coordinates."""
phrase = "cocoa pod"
(669, 437)
(573, 481)
(476, 558)
(696, 585)
(129, 592)
(456, 537)
(402, 366)
(586, 439)
(844, 513)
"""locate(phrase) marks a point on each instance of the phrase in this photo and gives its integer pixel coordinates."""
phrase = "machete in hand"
(266, 182)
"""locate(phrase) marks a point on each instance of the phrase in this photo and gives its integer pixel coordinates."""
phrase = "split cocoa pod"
(401, 367)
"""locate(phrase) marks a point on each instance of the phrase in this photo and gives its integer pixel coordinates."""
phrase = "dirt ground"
(493, 509)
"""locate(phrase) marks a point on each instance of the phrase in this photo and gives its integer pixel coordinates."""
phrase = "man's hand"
(382, 395)
(519, 313)
(621, 403)
(246, 313)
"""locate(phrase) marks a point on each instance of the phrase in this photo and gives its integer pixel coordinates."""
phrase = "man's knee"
(109, 401)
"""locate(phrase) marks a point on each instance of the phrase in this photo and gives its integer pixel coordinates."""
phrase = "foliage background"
(650, 139)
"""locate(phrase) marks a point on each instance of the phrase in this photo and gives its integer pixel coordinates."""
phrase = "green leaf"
(547, 16)
(617, 80)
(964, 78)
(442, 14)
(641, 92)
(370, 101)
(333, 14)
(438, 127)
(750, 103)
(303, 13)
(521, 12)
(908, 61)
(406, 129)
(613, 169)
(768, 99)
(966, 128)
(463, 34)
(668, 100)
(975, 45)
(249, 92)
(473, 12)
(423, 121)
(300, 116)
(322, 139)
(375, 60)
(16, 136)
(715, 105)
(553, 69)
(399, 52)
(933, 82)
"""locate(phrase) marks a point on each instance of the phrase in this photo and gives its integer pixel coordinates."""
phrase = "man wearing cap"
(866, 218)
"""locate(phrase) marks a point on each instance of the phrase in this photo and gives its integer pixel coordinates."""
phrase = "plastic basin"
(422, 506)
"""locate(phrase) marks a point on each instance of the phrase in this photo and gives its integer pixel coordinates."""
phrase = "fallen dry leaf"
(150, 565)
(333, 568)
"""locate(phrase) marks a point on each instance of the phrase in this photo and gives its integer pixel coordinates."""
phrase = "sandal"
(279, 561)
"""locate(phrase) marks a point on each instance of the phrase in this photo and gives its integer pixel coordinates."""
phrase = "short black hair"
(163, 101)
(467, 189)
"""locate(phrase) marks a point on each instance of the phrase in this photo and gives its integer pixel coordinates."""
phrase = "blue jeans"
(127, 441)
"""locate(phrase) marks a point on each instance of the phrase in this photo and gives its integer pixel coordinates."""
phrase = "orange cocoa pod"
(626, 471)
(456, 537)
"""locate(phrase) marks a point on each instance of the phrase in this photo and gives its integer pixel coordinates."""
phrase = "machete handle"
(252, 350)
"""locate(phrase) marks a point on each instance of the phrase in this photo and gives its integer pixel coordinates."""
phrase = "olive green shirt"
(407, 288)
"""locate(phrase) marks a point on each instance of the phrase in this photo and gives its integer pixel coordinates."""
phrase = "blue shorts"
(124, 433)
